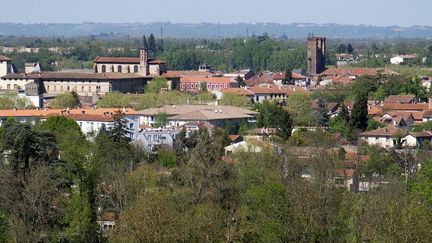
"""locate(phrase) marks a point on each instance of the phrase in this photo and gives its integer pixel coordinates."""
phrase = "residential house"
(153, 139)
(217, 115)
(386, 137)
(417, 139)
(402, 59)
(401, 99)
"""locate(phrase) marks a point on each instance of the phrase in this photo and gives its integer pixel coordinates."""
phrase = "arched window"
(103, 68)
(119, 69)
(135, 69)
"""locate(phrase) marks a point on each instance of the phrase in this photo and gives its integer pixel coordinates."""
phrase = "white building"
(89, 120)
(400, 59)
(178, 116)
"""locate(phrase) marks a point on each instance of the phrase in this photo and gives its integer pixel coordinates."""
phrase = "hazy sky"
(373, 12)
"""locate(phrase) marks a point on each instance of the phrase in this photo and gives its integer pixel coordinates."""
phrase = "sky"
(368, 12)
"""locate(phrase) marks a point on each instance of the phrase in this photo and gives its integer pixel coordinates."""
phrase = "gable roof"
(406, 107)
(208, 80)
(54, 112)
(402, 99)
(389, 131)
(5, 58)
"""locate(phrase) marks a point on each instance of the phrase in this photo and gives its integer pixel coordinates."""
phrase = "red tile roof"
(389, 131)
(406, 107)
(238, 91)
(208, 80)
(72, 76)
(52, 112)
(402, 99)
(125, 60)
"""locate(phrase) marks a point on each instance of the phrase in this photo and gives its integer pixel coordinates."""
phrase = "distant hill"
(211, 30)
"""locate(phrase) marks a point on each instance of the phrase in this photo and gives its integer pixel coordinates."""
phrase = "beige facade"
(82, 88)
(117, 68)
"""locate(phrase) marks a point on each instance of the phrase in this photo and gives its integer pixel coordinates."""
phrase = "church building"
(122, 74)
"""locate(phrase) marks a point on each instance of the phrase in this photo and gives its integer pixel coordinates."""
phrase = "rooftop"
(204, 109)
(78, 113)
(72, 76)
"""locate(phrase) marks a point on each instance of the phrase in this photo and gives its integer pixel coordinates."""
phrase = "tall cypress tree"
(359, 118)
(152, 44)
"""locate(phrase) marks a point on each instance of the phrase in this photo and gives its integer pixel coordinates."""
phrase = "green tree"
(235, 100)
(321, 113)
(266, 214)
(156, 85)
(341, 48)
(66, 100)
(161, 119)
(119, 131)
(152, 44)
(240, 81)
(299, 106)
(359, 113)
(288, 76)
(273, 116)
(350, 49)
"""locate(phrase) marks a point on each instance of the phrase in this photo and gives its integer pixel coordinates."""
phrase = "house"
(244, 74)
(401, 99)
(217, 115)
(250, 146)
(386, 137)
(235, 138)
(89, 120)
(266, 92)
(417, 139)
(402, 59)
(332, 107)
(194, 84)
(301, 80)
(406, 107)
(399, 119)
(107, 221)
(153, 139)
(344, 75)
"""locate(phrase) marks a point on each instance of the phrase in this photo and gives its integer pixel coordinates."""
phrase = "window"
(55, 88)
(67, 88)
(135, 69)
(103, 68)
(48, 88)
(89, 88)
(82, 88)
(119, 69)
(15, 86)
(130, 125)
(8, 86)
(98, 87)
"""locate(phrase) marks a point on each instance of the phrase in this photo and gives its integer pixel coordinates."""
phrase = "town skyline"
(382, 13)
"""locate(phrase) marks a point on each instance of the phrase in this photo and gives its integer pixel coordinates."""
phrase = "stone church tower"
(316, 55)
(144, 65)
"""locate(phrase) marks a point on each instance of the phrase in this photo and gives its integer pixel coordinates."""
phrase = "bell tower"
(144, 66)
